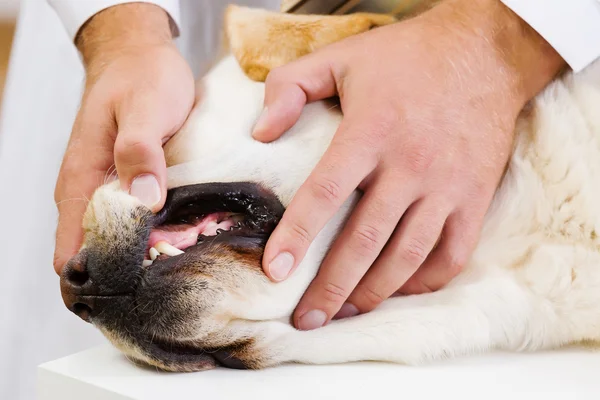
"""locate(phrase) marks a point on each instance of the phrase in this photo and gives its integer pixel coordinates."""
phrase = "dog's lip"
(176, 357)
(183, 357)
(260, 207)
(256, 202)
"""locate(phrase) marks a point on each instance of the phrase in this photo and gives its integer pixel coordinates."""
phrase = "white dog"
(184, 289)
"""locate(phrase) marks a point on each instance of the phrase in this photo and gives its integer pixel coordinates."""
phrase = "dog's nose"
(76, 273)
(76, 287)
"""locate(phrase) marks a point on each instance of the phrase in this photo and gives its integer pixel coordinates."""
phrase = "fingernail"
(146, 189)
(347, 310)
(261, 123)
(280, 266)
(312, 320)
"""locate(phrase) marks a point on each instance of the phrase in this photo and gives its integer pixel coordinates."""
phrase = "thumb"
(140, 159)
(289, 88)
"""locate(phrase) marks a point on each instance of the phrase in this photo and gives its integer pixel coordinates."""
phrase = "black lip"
(261, 207)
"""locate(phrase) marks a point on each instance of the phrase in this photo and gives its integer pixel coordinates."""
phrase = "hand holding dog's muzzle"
(429, 110)
(139, 91)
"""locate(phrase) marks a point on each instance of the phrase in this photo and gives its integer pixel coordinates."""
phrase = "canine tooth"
(153, 253)
(147, 263)
(168, 249)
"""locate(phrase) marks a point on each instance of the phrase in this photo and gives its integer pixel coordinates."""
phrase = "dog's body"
(533, 281)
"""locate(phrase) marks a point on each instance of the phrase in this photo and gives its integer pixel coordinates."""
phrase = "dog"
(183, 289)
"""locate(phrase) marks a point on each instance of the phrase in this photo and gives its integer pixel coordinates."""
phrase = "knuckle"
(414, 251)
(326, 190)
(130, 148)
(419, 161)
(300, 234)
(384, 123)
(370, 138)
(334, 293)
(275, 76)
(416, 286)
(370, 297)
(366, 239)
(455, 266)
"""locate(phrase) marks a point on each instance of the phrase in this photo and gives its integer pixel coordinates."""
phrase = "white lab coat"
(41, 99)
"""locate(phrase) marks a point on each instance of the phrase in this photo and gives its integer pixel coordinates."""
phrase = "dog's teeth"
(153, 253)
(219, 231)
(147, 263)
(168, 249)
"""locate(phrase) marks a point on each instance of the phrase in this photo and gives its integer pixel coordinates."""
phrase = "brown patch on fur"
(243, 350)
(250, 257)
(223, 256)
(589, 344)
(262, 40)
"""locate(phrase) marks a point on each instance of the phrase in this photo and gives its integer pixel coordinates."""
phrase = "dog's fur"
(533, 281)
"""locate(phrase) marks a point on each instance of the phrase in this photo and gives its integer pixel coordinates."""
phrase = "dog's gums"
(194, 214)
(173, 240)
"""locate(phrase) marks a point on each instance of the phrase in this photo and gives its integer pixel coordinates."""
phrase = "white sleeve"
(75, 13)
(571, 27)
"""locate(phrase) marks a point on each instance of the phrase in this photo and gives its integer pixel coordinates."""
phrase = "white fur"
(532, 283)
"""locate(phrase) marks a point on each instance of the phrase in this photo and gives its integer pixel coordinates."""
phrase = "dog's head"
(184, 288)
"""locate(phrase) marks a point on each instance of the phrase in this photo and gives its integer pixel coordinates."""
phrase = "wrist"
(121, 29)
(531, 63)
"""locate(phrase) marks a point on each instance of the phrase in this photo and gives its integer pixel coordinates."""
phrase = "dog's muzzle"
(101, 283)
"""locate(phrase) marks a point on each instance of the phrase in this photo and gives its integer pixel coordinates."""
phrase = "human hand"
(139, 91)
(429, 110)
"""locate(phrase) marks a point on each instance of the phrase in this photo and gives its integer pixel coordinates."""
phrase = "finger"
(81, 173)
(71, 207)
(372, 223)
(343, 166)
(412, 241)
(458, 241)
(138, 153)
(289, 88)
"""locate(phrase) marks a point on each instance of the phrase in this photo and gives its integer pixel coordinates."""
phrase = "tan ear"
(262, 40)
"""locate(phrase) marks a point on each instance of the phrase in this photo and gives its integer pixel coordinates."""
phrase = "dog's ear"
(262, 40)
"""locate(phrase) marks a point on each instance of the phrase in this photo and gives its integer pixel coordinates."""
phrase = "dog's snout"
(74, 280)
(91, 288)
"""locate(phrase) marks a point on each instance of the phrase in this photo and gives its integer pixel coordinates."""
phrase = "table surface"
(104, 374)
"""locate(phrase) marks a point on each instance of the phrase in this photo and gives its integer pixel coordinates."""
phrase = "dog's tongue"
(184, 236)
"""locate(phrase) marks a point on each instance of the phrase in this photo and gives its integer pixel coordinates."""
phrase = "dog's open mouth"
(194, 213)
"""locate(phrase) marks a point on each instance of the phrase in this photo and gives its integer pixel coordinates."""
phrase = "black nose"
(77, 289)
